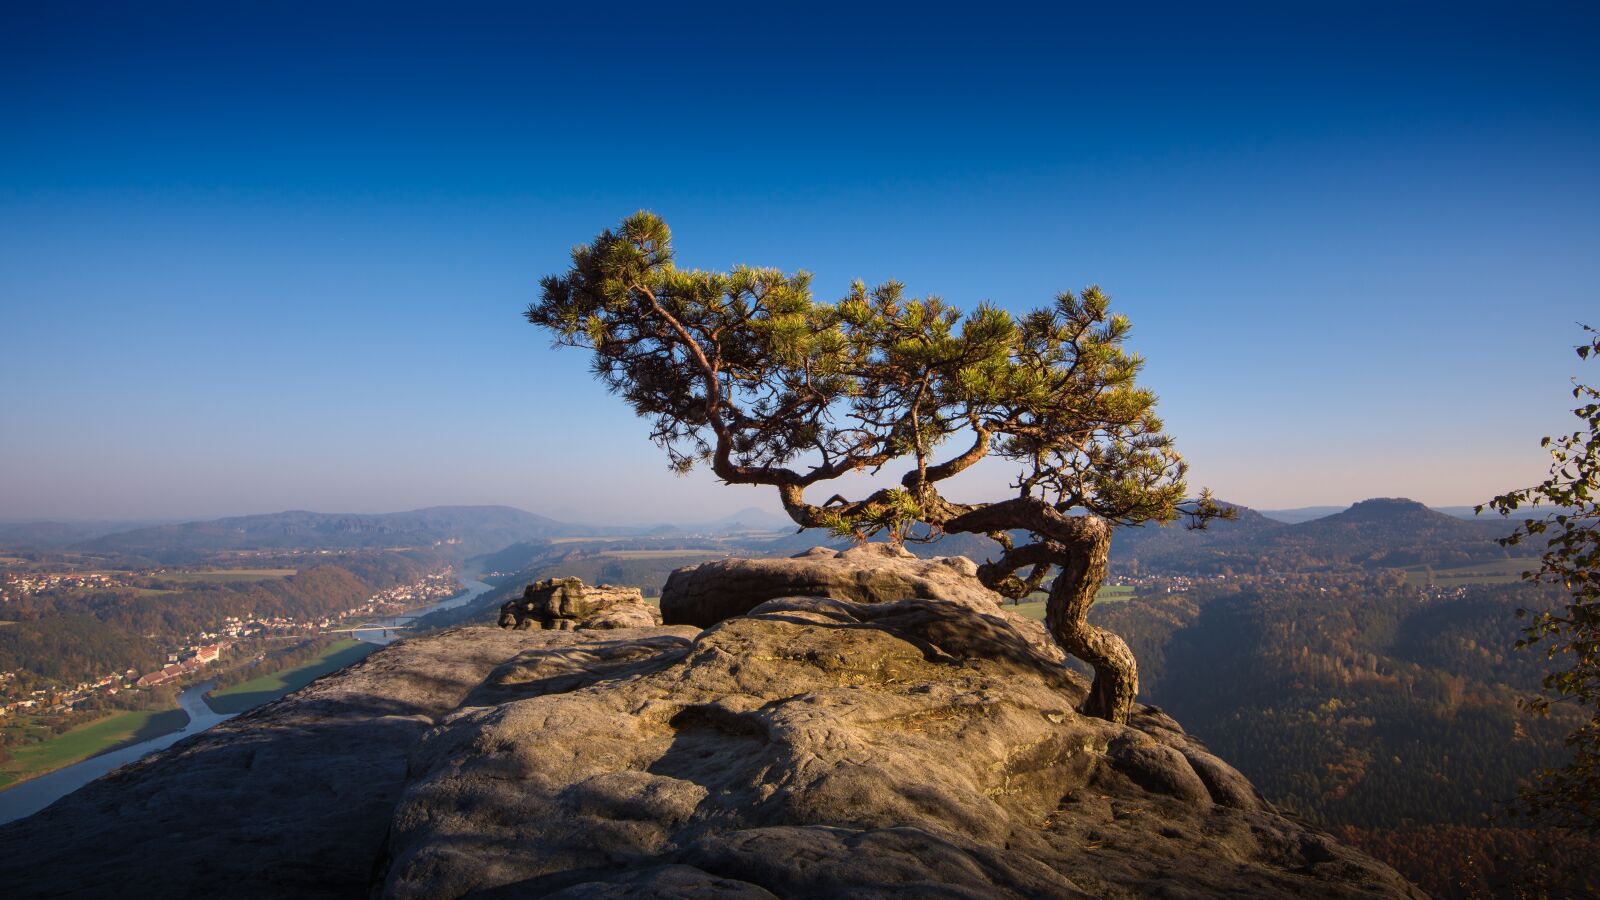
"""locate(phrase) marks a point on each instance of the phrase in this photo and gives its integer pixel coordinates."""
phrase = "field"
(581, 540)
(659, 554)
(1033, 607)
(215, 575)
(256, 691)
(91, 739)
(1501, 571)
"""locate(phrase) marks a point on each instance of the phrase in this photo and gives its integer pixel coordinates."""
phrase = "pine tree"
(746, 372)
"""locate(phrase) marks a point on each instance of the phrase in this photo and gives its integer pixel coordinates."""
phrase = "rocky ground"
(812, 747)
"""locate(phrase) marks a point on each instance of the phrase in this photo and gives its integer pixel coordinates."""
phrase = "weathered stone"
(819, 747)
(708, 593)
(567, 604)
(291, 799)
(816, 747)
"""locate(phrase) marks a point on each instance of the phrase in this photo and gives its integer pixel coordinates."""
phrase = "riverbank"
(23, 798)
(250, 694)
(103, 735)
(27, 797)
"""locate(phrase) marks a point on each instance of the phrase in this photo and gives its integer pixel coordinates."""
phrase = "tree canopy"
(747, 372)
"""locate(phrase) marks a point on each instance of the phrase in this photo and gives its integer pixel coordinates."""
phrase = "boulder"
(711, 592)
(707, 593)
(564, 604)
(814, 747)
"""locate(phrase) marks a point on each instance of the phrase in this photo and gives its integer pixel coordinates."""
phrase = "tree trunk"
(1116, 672)
(1079, 545)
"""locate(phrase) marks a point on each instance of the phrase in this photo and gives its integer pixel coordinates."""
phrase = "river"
(30, 796)
(386, 629)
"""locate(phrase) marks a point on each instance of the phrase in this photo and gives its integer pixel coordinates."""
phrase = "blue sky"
(271, 258)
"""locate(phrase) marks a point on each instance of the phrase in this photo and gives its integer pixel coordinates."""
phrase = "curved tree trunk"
(1079, 545)
(1116, 672)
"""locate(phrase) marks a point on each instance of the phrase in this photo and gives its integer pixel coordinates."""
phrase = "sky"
(275, 256)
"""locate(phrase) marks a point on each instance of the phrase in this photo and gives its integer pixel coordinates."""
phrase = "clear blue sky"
(270, 258)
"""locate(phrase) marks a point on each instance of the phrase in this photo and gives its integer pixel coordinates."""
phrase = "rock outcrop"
(814, 747)
(564, 604)
(707, 593)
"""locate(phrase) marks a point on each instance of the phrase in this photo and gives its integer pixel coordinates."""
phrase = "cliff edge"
(812, 747)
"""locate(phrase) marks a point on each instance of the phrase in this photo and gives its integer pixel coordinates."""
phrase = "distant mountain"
(1397, 532)
(1301, 513)
(1175, 542)
(1307, 513)
(1384, 532)
(465, 530)
(47, 535)
(753, 518)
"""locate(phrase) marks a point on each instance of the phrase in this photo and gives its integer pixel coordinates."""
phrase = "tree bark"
(1080, 546)
(1116, 672)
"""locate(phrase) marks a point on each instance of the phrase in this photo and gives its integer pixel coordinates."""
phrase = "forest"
(1364, 703)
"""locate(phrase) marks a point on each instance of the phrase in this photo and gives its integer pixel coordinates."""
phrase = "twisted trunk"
(1079, 546)
(1116, 672)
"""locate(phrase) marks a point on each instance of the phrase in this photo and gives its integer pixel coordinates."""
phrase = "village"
(15, 586)
(196, 652)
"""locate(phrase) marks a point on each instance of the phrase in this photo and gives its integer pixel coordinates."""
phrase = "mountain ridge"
(473, 528)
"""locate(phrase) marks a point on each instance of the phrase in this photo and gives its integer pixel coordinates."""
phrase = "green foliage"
(746, 371)
(284, 672)
(1571, 634)
(70, 649)
(67, 636)
(1347, 697)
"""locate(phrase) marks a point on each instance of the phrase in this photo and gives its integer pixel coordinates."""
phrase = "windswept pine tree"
(746, 372)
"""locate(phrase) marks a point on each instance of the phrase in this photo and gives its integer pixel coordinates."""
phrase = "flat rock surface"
(815, 747)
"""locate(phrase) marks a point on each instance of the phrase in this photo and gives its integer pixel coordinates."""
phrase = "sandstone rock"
(565, 604)
(817, 747)
(290, 799)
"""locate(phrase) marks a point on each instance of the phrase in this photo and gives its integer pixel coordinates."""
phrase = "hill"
(50, 535)
(1361, 701)
(1391, 532)
(462, 530)
(1372, 534)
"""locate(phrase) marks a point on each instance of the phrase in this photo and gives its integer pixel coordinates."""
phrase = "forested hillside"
(1366, 701)
(72, 648)
(72, 634)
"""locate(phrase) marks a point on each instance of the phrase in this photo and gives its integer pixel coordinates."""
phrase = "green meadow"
(90, 739)
(1500, 571)
(250, 694)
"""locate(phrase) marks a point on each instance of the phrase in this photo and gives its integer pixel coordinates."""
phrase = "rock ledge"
(814, 747)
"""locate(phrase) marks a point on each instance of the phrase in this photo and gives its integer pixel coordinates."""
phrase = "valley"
(1358, 667)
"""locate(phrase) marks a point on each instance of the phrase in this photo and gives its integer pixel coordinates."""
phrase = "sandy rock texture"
(707, 593)
(568, 604)
(819, 748)
(814, 747)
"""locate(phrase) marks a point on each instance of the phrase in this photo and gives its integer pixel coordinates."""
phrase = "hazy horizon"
(276, 258)
(578, 517)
